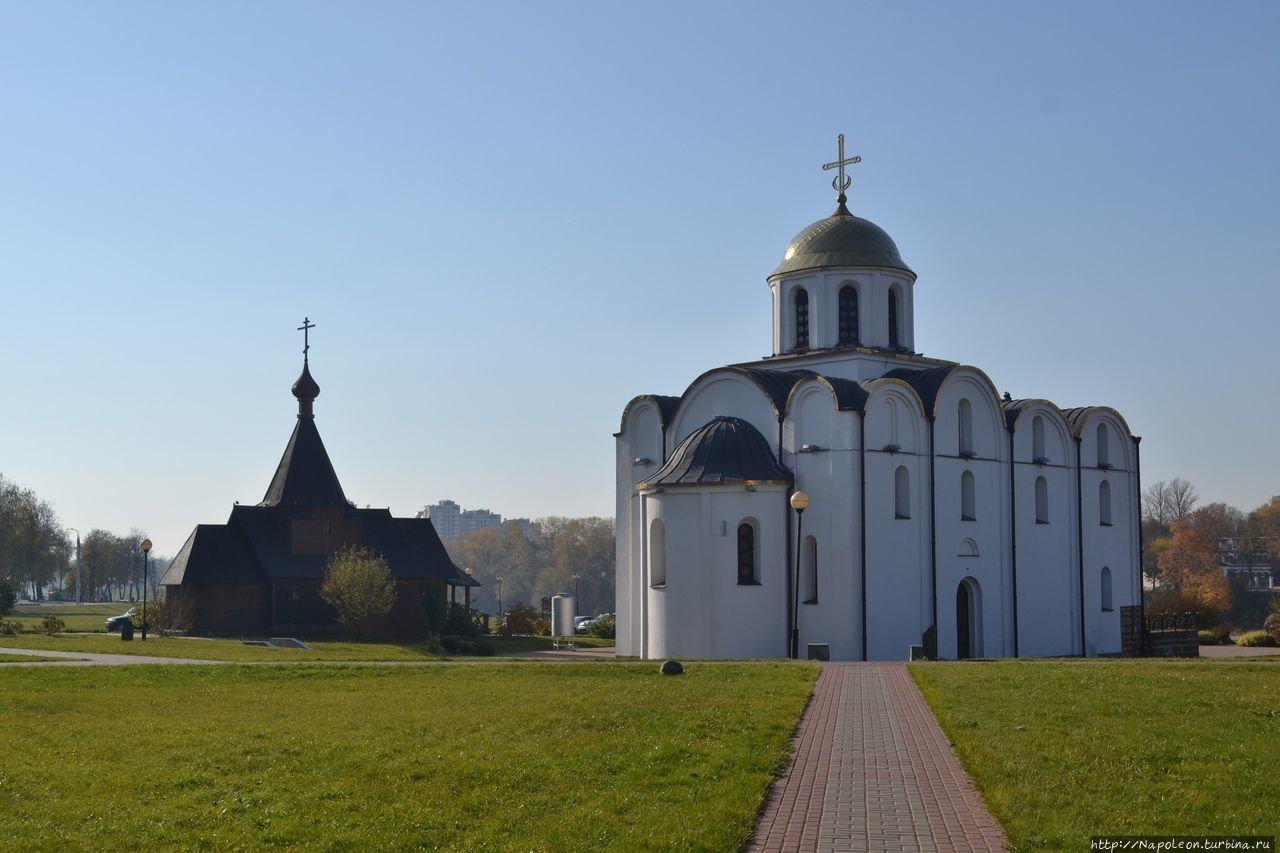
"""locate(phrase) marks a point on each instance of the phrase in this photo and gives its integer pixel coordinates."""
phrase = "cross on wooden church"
(841, 182)
(306, 328)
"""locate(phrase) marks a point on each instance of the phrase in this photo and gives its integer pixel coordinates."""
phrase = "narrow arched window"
(1037, 440)
(748, 565)
(802, 318)
(848, 314)
(810, 574)
(1106, 588)
(1104, 503)
(901, 493)
(968, 497)
(1042, 501)
(1104, 449)
(893, 317)
(966, 428)
(657, 553)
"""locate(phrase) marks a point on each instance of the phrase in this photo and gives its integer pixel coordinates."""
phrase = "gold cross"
(841, 182)
(306, 328)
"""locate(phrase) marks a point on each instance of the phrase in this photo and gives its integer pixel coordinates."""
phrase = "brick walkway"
(873, 771)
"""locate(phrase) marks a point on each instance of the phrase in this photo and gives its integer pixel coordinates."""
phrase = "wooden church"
(261, 571)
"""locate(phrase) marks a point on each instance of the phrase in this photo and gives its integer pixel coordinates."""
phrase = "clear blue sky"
(509, 219)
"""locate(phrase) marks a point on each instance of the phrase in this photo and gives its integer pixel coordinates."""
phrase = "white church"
(939, 514)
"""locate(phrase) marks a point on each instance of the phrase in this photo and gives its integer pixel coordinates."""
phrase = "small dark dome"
(841, 240)
(724, 450)
(306, 389)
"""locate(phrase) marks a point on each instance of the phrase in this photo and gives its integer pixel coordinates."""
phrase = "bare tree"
(1165, 503)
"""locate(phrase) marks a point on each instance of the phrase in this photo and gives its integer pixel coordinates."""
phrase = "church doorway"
(968, 620)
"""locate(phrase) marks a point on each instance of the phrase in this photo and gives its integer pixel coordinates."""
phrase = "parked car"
(115, 623)
(580, 623)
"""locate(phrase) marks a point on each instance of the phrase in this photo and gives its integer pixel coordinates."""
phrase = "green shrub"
(467, 646)
(606, 627)
(10, 628)
(8, 598)
(1255, 638)
(1272, 626)
(1215, 637)
(523, 619)
(52, 625)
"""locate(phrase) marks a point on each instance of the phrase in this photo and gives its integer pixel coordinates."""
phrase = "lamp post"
(467, 601)
(146, 552)
(799, 502)
(499, 601)
(576, 576)
(77, 564)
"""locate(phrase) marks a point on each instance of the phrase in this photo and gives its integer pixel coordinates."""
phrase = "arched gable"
(757, 396)
(1084, 422)
(663, 406)
(969, 383)
(642, 434)
(894, 416)
(1057, 431)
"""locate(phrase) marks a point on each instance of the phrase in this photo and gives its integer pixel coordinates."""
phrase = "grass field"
(235, 650)
(1063, 751)
(502, 757)
(24, 658)
(79, 617)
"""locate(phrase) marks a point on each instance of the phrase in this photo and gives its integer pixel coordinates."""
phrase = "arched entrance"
(968, 620)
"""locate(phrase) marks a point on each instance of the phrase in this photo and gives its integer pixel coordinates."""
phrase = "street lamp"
(576, 575)
(799, 502)
(499, 579)
(146, 552)
(467, 600)
(77, 564)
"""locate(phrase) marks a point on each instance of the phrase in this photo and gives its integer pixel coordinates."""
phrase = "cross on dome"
(841, 182)
(306, 328)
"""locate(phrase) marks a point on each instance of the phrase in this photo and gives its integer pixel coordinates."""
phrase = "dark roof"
(725, 450)
(1012, 408)
(926, 382)
(305, 388)
(841, 240)
(214, 554)
(305, 476)
(776, 384)
(256, 544)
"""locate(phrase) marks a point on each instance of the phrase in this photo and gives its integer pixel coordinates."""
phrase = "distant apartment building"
(453, 522)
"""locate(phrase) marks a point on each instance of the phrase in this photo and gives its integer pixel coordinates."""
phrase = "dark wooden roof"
(305, 476)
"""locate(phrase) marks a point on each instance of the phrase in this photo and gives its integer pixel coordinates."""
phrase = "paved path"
(873, 771)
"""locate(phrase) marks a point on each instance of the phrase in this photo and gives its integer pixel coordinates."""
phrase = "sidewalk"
(873, 771)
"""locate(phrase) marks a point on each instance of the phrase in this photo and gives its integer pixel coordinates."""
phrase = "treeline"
(37, 554)
(1186, 546)
(532, 570)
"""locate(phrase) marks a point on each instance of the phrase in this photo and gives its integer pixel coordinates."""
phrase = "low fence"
(1159, 635)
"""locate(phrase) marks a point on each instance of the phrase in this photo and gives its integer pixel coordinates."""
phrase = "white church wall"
(640, 438)
(830, 478)
(974, 547)
(702, 611)
(723, 392)
(898, 604)
(1112, 546)
(1048, 608)
(823, 290)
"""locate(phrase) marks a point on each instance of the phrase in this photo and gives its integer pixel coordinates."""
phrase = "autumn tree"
(1190, 577)
(359, 586)
(1216, 521)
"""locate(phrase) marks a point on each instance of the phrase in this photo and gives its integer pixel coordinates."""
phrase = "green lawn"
(1063, 751)
(232, 650)
(235, 650)
(79, 617)
(503, 757)
(24, 658)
